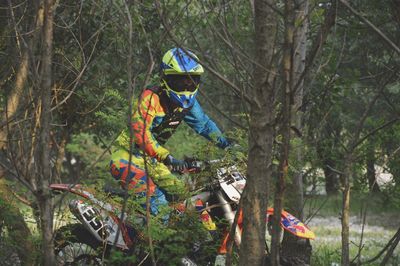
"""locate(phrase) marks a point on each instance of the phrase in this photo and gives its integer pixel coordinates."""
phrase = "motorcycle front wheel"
(74, 245)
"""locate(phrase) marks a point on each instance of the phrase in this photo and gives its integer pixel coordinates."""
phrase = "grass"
(327, 248)
(381, 223)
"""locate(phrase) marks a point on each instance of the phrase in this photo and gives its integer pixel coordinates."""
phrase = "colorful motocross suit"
(154, 120)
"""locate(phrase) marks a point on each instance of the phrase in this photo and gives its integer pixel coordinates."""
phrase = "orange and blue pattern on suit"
(154, 120)
(149, 114)
(134, 178)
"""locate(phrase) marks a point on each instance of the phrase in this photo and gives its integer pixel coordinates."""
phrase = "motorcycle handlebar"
(196, 166)
(115, 191)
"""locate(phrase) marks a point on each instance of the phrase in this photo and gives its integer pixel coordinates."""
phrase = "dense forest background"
(309, 89)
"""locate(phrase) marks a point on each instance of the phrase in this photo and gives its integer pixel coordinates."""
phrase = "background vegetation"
(103, 53)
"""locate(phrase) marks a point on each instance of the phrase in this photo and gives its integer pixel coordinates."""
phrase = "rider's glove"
(193, 165)
(223, 142)
(226, 143)
(176, 165)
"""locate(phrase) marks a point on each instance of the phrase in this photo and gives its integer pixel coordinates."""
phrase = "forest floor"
(370, 236)
(371, 231)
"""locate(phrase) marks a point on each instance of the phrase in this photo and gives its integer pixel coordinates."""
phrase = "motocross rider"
(159, 111)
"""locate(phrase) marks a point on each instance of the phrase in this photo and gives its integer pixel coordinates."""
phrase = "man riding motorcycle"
(159, 111)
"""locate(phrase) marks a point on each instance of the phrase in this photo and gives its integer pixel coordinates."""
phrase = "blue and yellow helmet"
(181, 76)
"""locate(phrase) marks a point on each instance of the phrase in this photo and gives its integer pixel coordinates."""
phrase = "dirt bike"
(99, 220)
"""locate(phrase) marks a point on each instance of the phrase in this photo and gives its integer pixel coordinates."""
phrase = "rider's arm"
(204, 126)
(148, 108)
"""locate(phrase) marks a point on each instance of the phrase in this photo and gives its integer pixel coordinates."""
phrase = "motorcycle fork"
(229, 215)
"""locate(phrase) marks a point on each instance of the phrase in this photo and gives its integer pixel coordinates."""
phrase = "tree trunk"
(20, 230)
(293, 248)
(331, 178)
(299, 61)
(330, 165)
(24, 44)
(252, 249)
(322, 35)
(346, 209)
(370, 164)
(287, 71)
(43, 178)
(15, 96)
(60, 155)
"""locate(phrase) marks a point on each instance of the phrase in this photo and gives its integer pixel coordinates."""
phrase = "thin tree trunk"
(60, 155)
(17, 92)
(43, 151)
(20, 230)
(13, 100)
(252, 249)
(287, 64)
(348, 165)
(322, 35)
(392, 247)
(294, 248)
(346, 209)
(331, 178)
(370, 164)
(299, 62)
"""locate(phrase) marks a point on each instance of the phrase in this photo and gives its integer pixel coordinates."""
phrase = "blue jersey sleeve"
(203, 125)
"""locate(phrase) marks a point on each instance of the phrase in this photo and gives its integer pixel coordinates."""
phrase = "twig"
(388, 245)
(372, 26)
(209, 68)
(394, 244)
(330, 19)
(232, 234)
(316, 212)
(364, 216)
(221, 112)
(22, 199)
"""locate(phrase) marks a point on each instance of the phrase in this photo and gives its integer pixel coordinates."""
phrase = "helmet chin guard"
(184, 99)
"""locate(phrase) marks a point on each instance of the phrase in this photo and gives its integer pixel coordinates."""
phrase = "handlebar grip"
(115, 191)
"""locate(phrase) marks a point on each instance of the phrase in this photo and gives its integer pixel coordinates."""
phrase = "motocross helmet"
(181, 76)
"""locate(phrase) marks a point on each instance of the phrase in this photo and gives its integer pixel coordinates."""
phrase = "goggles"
(181, 83)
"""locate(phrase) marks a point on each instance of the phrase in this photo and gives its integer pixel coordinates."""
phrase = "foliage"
(89, 156)
(17, 244)
(353, 73)
(183, 236)
(90, 94)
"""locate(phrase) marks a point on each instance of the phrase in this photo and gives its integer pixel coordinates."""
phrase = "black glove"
(193, 165)
(176, 165)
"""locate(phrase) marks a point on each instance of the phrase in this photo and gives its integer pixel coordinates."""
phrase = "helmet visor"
(181, 83)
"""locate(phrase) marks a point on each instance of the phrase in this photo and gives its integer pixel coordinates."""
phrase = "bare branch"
(372, 26)
(206, 66)
(330, 19)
